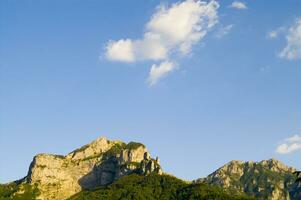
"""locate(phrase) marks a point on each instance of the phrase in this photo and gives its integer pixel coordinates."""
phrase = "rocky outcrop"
(103, 161)
(99, 163)
(149, 165)
(268, 179)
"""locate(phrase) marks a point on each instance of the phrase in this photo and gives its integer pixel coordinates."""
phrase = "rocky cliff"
(103, 162)
(99, 163)
(268, 179)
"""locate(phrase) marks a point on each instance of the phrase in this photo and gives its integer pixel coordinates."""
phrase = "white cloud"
(288, 148)
(224, 30)
(238, 5)
(171, 30)
(289, 145)
(294, 138)
(160, 71)
(122, 50)
(183, 24)
(292, 50)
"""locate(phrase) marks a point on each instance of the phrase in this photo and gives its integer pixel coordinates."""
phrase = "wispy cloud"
(224, 30)
(158, 72)
(289, 145)
(292, 50)
(275, 33)
(272, 34)
(239, 5)
(171, 31)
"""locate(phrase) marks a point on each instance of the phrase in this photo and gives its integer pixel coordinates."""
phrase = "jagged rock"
(130, 155)
(149, 165)
(158, 160)
(99, 163)
(268, 179)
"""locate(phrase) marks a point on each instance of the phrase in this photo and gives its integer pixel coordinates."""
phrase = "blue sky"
(233, 95)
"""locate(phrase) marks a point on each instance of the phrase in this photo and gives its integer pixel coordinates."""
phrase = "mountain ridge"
(100, 162)
(266, 179)
(103, 162)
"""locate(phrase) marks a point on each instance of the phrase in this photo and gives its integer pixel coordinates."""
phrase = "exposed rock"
(130, 155)
(96, 147)
(102, 162)
(268, 179)
(149, 165)
(98, 163)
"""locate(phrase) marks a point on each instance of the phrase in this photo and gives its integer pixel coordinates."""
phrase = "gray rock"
(99, 163)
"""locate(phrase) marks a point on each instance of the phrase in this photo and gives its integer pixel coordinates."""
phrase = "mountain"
(107, 169)
(268, 179)
(99, 163)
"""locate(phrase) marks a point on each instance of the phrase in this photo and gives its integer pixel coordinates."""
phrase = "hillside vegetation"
(154, 187)
(18, 191)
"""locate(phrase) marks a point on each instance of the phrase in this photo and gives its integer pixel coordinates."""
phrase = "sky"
(200, 83)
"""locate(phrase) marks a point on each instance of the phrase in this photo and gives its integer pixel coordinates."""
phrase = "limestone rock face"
(99, 163)
(130, 155)
(268, 179)
(149, 165)
(96, 147)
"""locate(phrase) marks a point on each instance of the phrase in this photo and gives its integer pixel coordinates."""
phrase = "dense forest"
(163, 187)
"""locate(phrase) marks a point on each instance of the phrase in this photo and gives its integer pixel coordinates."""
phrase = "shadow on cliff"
(113, 168)
(100, 175)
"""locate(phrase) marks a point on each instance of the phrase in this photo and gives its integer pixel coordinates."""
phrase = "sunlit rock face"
(99, 163)
(268, 179)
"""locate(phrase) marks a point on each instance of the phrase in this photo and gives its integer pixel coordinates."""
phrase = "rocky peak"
(276, 165)
(267, 179)
(149, 165)
(96, 147)
(240, 167)
(99, 163)
(233, 167)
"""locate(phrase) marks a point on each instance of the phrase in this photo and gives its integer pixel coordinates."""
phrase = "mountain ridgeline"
(99, 163)
(107, 169)
(268, 179)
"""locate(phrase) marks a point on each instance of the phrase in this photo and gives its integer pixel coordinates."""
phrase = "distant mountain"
(107, 169)
(268, 179)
